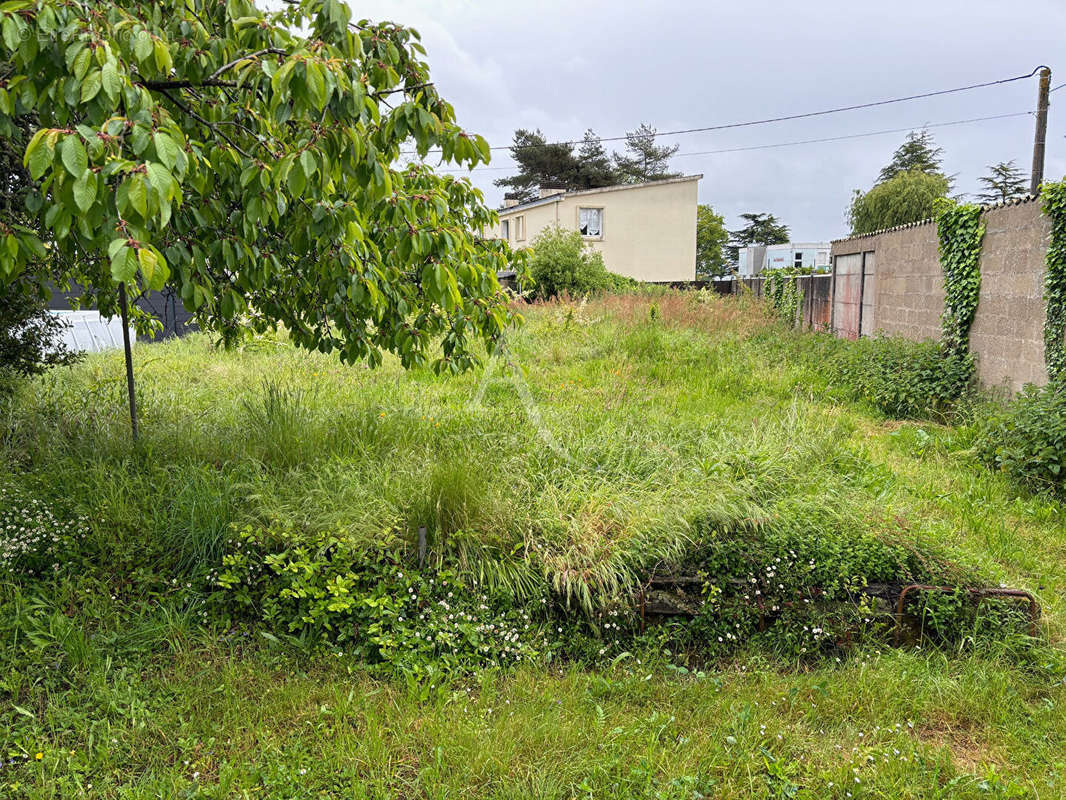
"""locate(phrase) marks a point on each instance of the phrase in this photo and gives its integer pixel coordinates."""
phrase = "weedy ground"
(596, 438)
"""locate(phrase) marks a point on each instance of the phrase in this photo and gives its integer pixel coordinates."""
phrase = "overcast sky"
(568, 66)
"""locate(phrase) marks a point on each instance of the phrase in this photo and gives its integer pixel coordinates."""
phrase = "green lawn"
(613, 436)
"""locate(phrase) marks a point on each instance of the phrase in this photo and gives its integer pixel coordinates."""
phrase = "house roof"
(555, 198)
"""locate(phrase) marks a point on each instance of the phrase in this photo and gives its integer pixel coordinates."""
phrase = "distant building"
(803, 255)
(645, 231)
(89, 331)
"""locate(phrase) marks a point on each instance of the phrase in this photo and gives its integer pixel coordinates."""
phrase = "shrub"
(797, 586)
(910, 380)
(1026, 438)
(562, 263)
(31, 339)
(326, 587)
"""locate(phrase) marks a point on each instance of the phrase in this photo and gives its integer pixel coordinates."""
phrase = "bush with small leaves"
(904, 379)
(562, 263)
(1026, 439)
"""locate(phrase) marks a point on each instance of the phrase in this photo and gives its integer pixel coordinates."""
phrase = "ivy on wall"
(1054, 195)
(783, 292)
(960, 231)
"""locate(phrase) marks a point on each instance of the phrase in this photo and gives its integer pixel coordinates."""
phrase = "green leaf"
(81, 63)
(153, 268)
(166, 149)
(112, 81)
(160, 179)
(11, 33)
(307, 161)
(138, 196)
(91, 86)
(163, 61)
(39, 154)
(85, 190)
(124, 264)
(316, 84)
(143, 46)
(73, 153)
(297, 179)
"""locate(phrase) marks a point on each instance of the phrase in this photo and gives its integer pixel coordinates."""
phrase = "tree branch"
(225, 67)
(416, 87)
(204, 122)
(162, 86)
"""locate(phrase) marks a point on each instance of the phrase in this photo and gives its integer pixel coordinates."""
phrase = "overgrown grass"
(612, 438)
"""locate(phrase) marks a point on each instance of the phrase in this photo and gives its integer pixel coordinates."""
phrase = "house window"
(590, 222)
(519, 228)
(505, 230)
(798, 261)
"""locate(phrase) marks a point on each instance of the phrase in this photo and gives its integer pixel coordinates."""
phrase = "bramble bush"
(905, 379)
(1026, 438)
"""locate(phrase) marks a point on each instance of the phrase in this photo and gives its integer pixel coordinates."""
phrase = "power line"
(805, 141)
(1057, 87)
(785, 118)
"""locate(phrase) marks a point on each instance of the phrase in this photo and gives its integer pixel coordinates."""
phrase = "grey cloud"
(566, 66)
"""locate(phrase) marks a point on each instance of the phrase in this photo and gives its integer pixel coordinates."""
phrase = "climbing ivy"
(782, 290)
(960, 231)
(1054, 195)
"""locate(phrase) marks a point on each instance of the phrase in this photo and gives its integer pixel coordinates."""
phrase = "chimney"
(510, 200)
(550, 191)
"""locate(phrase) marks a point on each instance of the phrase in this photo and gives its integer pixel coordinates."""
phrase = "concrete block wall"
(1008, 332)
(1007, 335)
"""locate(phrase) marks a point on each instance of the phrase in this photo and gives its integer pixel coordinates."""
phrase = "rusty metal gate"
(854, 295)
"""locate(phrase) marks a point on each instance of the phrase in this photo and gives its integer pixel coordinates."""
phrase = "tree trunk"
(129, 357)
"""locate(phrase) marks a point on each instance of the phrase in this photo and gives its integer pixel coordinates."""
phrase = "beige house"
(646, 231)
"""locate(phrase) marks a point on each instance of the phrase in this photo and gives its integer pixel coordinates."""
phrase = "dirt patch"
(970, 752)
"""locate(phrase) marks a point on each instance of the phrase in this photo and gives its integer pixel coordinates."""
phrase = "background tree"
(540, 163)
(1005, 181)
(644, 160)
(917, 153)
(245, 158)
(31, 339)
(906, 189)
(907, 197)
(711, 239)
(760, 229)
(594, 166)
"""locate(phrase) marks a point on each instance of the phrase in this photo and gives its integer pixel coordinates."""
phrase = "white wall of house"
(645, 231)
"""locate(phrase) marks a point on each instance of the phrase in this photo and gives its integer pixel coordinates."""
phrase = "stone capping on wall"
(920, 223)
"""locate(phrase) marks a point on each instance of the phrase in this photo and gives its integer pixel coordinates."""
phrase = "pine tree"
(906, 190)
(540, 163)
(1004, 182)
(646, 161)
(594, 165)
(918, 152)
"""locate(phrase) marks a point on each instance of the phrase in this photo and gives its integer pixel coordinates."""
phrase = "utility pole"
(1039, 139)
